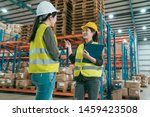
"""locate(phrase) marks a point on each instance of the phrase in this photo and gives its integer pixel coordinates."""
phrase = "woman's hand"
(86, 54)
(67, 44)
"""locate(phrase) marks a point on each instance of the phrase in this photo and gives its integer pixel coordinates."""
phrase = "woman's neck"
(47, 23)
(87, 40)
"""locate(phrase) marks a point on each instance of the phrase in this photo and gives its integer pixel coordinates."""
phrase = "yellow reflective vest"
(86, 69)
(40, 61)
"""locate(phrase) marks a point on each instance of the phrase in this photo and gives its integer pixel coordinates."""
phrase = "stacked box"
(118, 84)
(15, 28)
(26, 31)
(7, 80)
(134, 93)
(125, 92)
(117, 94)
(64, 79)
(144, 81)
(133, 88)
(132, 84)
(23, 83)
(85, 11)
(3, 26)
(148, 79)
(64, 17)
(66, 70)
(119, 74)
(73, 87)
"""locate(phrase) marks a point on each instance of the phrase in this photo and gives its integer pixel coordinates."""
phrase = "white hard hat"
(45, 8)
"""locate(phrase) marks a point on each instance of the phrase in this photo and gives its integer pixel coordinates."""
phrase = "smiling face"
(87, 33)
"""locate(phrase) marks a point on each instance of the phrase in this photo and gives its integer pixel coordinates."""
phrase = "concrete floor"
(145, 95)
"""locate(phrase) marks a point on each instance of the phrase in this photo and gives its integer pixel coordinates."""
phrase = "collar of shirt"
(85, 44)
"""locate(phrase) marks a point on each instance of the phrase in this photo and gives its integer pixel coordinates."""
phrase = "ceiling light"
(143, 10)
(4, 10)
(111, 16)
(119, 31)
(145, 39)
(144, 27)
(29, 5)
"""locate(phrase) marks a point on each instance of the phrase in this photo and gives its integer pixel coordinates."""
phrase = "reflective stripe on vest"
(38, 51)
(77, 68)
(86, 69)
(42, 61)
(78, 60)
(91, 68)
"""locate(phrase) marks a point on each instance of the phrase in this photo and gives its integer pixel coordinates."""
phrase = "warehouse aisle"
(145, 95)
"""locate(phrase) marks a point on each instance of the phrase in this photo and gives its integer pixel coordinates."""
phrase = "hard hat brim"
(84, 27)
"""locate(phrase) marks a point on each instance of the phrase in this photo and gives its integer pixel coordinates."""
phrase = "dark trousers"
(89, 86)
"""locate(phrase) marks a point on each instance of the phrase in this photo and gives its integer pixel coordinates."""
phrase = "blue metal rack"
(124, 62)
(114, 36)
(16, 53)
(132, 55)
(108, 66)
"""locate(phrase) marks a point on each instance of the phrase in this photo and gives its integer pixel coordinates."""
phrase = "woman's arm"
(51, 44)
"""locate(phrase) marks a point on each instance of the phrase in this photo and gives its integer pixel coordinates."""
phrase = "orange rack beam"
(34, 91)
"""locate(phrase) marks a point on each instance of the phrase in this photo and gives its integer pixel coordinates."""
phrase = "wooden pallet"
(27, 87)
(4, 86)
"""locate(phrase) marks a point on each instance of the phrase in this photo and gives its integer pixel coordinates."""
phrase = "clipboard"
(95, 50)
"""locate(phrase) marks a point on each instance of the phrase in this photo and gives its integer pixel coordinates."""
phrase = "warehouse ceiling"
(126, 14)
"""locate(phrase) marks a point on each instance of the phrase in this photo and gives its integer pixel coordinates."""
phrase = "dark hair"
(39, 20)
(95, 36)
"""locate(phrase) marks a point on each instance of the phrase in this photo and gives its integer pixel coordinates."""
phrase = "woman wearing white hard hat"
(44, 53)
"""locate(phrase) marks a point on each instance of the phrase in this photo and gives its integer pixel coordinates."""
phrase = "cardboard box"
(117, 94)
(148, 80)
(118, 84)
(64, 77)
(132, 84)
(23, 83)
(134, 78)
(66, 70)
(144, 83)
(3, 26)
(64, 86)
(134, 92)
(125, 92)
(26, 74)
(138, 78)
(119, 74)
(73, 87)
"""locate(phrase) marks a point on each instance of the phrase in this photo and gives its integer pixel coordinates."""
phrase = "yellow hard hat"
(90, 25)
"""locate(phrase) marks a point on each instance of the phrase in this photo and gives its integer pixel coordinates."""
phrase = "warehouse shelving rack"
(15, 49)
(133, 69)
(124, 62)
(10, 48)
(19, 45)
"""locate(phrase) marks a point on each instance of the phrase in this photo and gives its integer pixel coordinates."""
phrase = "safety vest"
(86, 69)
(40, 61)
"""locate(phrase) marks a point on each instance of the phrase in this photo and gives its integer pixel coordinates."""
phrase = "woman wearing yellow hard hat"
(86, 74)
(44, 53)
